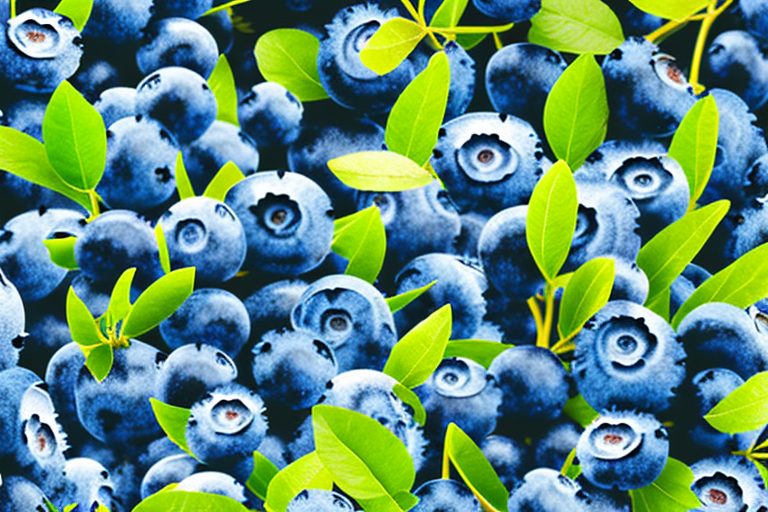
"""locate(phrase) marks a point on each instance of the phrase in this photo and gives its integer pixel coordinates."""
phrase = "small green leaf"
(576, 26)
(225, 6)
(81, 324)
(475, 469)
(361, 239)
(99, 360)
(449, 13)
(576, 112)
(76, 10)
(763, 471)
(183, 184)
(677, 10)
(586, 293)
(744, 409)
(162, 248)
(159, 301)
(551, 219)
(308, 472)
(409, 397)
(227, 177)
(62, 251)
(398, 302)
(480, 351)
(670, 492)
(75, 138)
(469, 41)
(178, 501)
(570, 469)
(666, 255)
(419, 352)
(262, 474)
(580, 411)
(173, 420)
(694, 145)
(289, 57)
(391, 45)
(379, 171)
(120, 300)
(222, 83)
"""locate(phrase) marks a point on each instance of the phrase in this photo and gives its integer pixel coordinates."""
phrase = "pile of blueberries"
(274, 325)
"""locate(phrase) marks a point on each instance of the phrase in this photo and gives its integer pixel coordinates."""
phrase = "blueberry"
(508, 10)
(166, 471)
(445, 496)
(630, 282)
(190, 372)
(206, 234)
(270, 307)
(735, 62)
(755, 14)
(351, 316)
(19, 493)
(220, 26)
(635, 21)
(604, 500)
(178, 98)
(507, 456)
(210, 315)
(92, 486)
(213, 482)
(14, 383)
(12, 321)
(546, 490)
(288, 221)
(271, 115)
(119, 22)
(316, 500)
(95, 77)
(177, 42)
(628, 356)
(751, 230)
(729, 484)
(61, 378)
(555, 444)
(462, 88)
(116, 103)
(493, 159)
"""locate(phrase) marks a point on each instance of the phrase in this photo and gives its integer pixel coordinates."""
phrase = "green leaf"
(289, 57)
(763, 471)
(75, 138)
(580, 411)
(665, 256)
(744, 409)
(81, 324)
(416, 117)
(586, 293)
(391, 45)
(262, 474)
(398, 302)
(70, 507)
(449, 13)
(480, 351)
(183, 184)
(475, 469)
(576, 26)
(677, 10)
(180, 501)
(576, 112)
(419, 352)
(62, 251)
(227, 177)
(409, 397)
(159, 301)
(742, 283)
(162, 248)
(469, 41)
(570, 469)
(120, 300)
(76, 10)
(379, 171)
(361, 239)
(222, 83)
(365, 459)
(551, 219)
(308, 472)
(660, 304)
(173, 420)
(99, 360)
(25, 157)
(670, 492)
(225, 6)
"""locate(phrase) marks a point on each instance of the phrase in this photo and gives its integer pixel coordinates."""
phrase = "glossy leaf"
(361, 239)
(162, 248)
(227, 177)
(449, 13)
(120, 299)
(183, 184)
(178, 501)
(576, 26)
(587, 292)
(99, 360)
(670, 492)
(159, 301)
(379, 171)
(391, 45)
(62, 251)
(289, 57)
(398, 302)
(580, 411)
(173, 421)
(480, 351)
(222, 83)
(79, 11)
(82, 326)
(308, 472)
(264, 470)
(744, 409)
(412, 399)
(677, 10)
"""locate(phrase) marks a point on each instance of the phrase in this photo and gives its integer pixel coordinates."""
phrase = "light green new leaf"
(225, 6)
(75, 138)
(62, 251)
(576, 112)
(742, 283)
(409, 397)
(744, 409)
(162, 248)
(99, 360)
(264, 470)
(173, 420)
(416, 117)
(178, 501)
(580, 411)
(398, 302)
(676, 10)
(576, 26)
(587, 292)
(361, 239)
(379, 171)
(694, 145)
(474, 469)
(82, 326)
(480, 351)
(763, 472)
(551, 219)
(227, 177)
(159, 301)
(665, 256)
(76, 10)
(670, 492)
(391, 45)
(449, 13)
(308, 472)
(183, 184)
(222, 83)
(120, 300)
(289, 57)
(419, 352)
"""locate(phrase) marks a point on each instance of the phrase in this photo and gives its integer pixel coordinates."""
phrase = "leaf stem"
(562, 342)
(568, 462)
(666, 30)
(13, 8)
(549, 314)
(411, 10)
(95, 209)
(497, 41)
(473, 30)
(701, 40)
(446, 473)
(533, 305)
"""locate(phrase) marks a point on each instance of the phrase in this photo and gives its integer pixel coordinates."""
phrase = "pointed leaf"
(162, 248)
(576, 26)
(79, 11)
(449, 13)
(262, 474)
(173, 420)
(308, 472)
(398, 302)
(580, 411)
(289, 57)
(227, 177)
(183, 184)
(81, 324)
(391, 45)
(379, 171)
(480, 351)
(99, 361)
(222, 83)
(159, 301)
(670, 492)
(744, 409)
(361, 239)
(62, 251)
(677, 10)
(120, 300)
(178, 501)
(763, 472)
(587, 292)
(412, 399)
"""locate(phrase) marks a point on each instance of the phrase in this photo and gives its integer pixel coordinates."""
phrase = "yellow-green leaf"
(222, 83)
(391, 45)
(289, 57)
(379, 171)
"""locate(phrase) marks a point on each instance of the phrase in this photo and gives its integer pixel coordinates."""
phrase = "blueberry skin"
(190, 372)
(271, 115)
(445, 496)
(219, 25)
(270, 307)
(178, 98)
(526, 398)
(555, 444)
(288, 222)
(709, 333)
(212, 316)
(628, 356)
(19, 493)
(23, 256)
(120, 23)
(213, 482)
(647, 92)
(494, 159)
(755, 14)
(117, 410)
(630, 282)
(95, 77)
(518, 79)
(734, 62)
(141, 165)
(116, 103)
(317, 500)
(61, 378)
(12, 322)
(292, 369)
(546, 490)
(728, 483)
(191, 9)
(14, 383)
(229, 421)
(508, 10)
(90, 483)
(462, 88)
(507, 456)
(623, 450)
(166, 471)
(460, 283)
(204, 233)
(177, 42)
(221, 143)
(40, 49)
(750, 231)
(351, 316)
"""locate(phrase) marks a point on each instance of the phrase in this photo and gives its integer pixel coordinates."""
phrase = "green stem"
(568, 462)
(549, 314)
(473, 30)
(13, 8)
(409, 7)
(666, 30)
(536, 313)
(562, 343)
(701, 40)
(95, 209)
(446, 473)
(497, 41)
